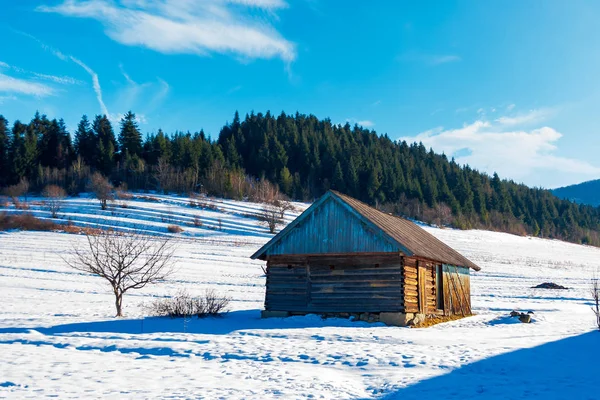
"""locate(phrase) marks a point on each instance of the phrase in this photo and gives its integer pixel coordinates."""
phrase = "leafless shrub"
(123, 195)
(174, 229)
(102, 189)
(185, 305)
(16, 191)
(147, 198)
(595, 289)
(126, 260)
(220, 222)
(214, 304)
(25, 222)
(54, 195)
(197, 221)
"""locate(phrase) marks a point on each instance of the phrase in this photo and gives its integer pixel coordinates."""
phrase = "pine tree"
(4, 151)
(106, 145)
(86, 141)
(16, 153)
(338, 178)
(130, 138)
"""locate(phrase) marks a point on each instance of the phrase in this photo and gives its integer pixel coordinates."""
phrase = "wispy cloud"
(4, 99)
(429, 59)
(9, 84)
(95, 83)
(234, 89)
(188, 26)
(59, 54)
(436, 60)
(63, 80)
(504, 146)
(365, 123)
(530, 117)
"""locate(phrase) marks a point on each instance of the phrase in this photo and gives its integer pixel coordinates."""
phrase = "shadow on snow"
(228, 323)
(564, 369)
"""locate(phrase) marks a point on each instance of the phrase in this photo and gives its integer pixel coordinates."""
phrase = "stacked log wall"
(411, 291)
(330, 284)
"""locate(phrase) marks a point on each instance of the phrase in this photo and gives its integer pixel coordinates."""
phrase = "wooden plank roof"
(411, 238)
(416, 239)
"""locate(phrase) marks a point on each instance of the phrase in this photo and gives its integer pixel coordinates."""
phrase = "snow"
(58, 336)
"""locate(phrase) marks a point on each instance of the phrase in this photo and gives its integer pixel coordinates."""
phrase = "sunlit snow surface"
(58, 337)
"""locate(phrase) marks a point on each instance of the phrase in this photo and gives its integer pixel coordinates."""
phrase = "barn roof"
(413, 239)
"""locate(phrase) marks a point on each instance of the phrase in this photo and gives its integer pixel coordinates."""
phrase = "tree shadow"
(564, 369)
(226, 324)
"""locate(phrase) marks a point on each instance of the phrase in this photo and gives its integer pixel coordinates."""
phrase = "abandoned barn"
(342, 257)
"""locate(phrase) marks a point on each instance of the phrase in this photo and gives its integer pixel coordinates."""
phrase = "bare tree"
(443, 214)
(283, 206)
(102, 188)
(126, 260)
(596, 299)
(270, 217)
(54, 195)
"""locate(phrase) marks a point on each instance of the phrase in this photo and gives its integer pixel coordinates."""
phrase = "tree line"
(297, 155)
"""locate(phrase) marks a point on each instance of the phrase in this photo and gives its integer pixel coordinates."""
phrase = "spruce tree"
(106, 144)
(86, 141)
(130, 138)
(4, 148)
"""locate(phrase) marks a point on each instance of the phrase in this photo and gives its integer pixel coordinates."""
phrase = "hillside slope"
(582, 193)
(58, 337)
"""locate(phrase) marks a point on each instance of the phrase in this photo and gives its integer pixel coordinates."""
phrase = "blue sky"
(510, 86)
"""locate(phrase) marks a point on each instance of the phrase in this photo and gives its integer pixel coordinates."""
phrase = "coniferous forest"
(299, 155)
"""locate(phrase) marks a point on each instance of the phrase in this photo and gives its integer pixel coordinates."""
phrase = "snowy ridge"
(58, 337)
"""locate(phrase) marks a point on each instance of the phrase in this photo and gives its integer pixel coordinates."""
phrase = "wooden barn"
(342, 257)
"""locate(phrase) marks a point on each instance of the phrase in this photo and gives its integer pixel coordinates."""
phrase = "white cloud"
(64, 57)
(63, 80)
(510, 107)
(9, 84)
(188, 26)
(366, 123)
(515, 153)
(531, 117)
(95, 83)
(4, 99)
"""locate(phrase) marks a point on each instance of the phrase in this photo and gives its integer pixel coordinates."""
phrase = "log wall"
(330, 284)
(411, 290)
(361, 283)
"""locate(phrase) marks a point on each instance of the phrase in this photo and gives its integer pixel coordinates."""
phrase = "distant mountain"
(583, 193)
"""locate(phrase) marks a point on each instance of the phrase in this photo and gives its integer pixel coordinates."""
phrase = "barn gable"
(337, 223)
(330, 226)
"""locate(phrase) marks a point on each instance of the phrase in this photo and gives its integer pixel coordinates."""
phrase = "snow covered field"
(58, 337)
